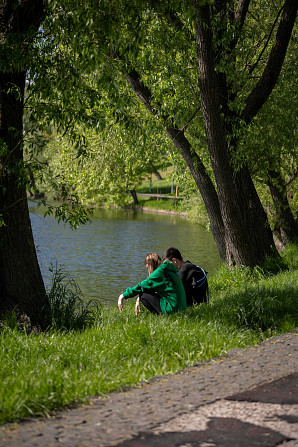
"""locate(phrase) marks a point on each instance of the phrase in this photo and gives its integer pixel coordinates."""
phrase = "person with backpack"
(194, 278)
(161, 292)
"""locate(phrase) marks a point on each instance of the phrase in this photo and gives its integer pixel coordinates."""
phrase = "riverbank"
(148, 209)
(40, 373)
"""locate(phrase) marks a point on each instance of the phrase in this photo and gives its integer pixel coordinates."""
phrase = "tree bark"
(248, 241)
(285, 223)
(21, 284)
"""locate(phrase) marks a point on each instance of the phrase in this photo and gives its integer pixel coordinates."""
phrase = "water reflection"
(106, 255)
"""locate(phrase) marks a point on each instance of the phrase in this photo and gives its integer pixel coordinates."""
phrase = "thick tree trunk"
(285, 222)
(248, 241)
(21, 284)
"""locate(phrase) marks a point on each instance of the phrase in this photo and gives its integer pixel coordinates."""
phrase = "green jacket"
(167, 283)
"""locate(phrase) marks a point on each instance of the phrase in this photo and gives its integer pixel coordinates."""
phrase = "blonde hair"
(152, 261)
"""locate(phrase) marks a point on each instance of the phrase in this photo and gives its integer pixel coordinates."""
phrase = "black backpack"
(195, 283)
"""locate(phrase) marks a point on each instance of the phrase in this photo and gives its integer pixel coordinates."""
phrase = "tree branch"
(241, 11)
(267, 41)
(192, 159)
(264, 87)
(142, 92)
(292, 178)
(190, 119)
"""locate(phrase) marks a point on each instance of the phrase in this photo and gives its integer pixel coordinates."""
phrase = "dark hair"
(171, 253)
(152, 261)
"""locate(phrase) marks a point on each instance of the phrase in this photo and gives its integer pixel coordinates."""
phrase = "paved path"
(247, 398)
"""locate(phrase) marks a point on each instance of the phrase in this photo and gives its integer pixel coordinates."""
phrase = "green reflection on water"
(106, 255)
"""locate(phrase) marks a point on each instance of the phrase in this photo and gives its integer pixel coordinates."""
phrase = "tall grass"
(69, 309)
(44, 371)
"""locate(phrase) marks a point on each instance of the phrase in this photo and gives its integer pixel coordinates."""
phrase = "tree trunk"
(134, 196)
(21, 284)
(155, 171)
(248, 241)
(285, 222)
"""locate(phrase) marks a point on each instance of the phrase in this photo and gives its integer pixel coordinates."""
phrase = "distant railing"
(160, 196)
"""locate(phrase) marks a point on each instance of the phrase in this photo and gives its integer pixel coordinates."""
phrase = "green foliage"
(111, 164)
(70, 211)
(77, 85)
(290, 254)
(270, 143)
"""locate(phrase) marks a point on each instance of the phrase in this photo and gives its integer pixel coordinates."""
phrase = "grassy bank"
(163, 186)
(42, 372)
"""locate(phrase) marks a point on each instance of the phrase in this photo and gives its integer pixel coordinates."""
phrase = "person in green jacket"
(161, 292)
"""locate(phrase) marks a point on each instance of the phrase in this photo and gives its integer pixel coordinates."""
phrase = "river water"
(107, 255)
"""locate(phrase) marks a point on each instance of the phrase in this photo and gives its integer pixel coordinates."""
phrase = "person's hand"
(138, 306)
(120, 302)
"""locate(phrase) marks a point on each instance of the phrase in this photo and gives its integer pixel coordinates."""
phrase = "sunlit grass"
(163, 186)
(41, 372)
(45, 371)
(162, 204)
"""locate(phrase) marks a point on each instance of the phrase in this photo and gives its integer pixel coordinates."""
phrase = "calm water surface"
(107, 255)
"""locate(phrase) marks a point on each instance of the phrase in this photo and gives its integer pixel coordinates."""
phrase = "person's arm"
(133, 291)
(138, 306)
(120, 302)
(155, 281)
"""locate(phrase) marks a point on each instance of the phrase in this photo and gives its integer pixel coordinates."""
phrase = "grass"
(44, 371)
(192, 204)
(154, 185)
(162, 204)
(69, 309)
(163, 186)
(157, 186)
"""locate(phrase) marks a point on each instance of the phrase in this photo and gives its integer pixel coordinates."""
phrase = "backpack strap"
(201, 281)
